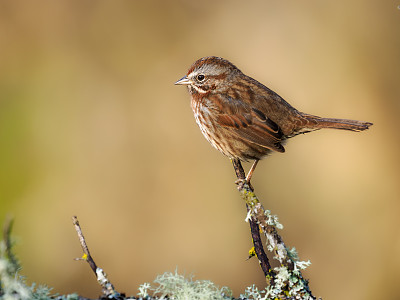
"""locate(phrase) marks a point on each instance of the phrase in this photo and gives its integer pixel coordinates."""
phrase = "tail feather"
(316, 122)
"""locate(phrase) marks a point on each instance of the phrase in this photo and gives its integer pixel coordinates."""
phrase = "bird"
(244, 119)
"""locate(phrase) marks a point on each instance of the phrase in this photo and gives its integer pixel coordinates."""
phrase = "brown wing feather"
(253, 126)
(272, 105)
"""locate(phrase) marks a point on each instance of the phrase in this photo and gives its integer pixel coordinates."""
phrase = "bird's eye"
(200, 77)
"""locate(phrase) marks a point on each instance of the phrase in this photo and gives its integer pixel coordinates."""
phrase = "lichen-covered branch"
(287, 284)
(255, 230)
(285, 281)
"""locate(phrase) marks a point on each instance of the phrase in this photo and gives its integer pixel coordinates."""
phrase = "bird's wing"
(249, 123)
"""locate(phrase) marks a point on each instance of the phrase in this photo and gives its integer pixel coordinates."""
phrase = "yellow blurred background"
(92, 125)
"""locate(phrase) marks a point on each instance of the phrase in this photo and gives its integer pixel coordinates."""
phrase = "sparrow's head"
(210, 74)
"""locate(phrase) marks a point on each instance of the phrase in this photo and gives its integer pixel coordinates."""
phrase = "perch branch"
(290, 277)
(255, 231)
(108, 289)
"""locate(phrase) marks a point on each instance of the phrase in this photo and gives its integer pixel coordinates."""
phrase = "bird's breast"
(205, 119)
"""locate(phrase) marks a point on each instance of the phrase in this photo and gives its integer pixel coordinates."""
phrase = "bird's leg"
(253, 167)
(240, 182)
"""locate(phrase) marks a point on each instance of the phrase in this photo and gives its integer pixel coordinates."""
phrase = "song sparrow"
(244, 119)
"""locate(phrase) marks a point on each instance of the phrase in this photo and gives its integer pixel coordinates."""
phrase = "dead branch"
(108, 289)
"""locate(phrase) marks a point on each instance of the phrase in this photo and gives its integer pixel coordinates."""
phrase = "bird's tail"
(316, 123)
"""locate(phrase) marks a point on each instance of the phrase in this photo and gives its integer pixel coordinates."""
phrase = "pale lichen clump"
(11, 283)
(177, 287)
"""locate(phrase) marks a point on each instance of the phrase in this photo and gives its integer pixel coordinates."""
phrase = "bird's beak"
(184, 80)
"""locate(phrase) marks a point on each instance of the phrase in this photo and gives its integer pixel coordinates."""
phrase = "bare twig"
(108, 289)
(86, 256)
